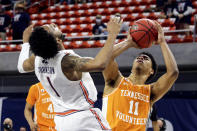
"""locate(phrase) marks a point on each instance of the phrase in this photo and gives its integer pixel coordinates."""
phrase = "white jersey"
(65, 94)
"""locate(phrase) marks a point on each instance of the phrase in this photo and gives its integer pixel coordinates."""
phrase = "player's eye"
(145, 57)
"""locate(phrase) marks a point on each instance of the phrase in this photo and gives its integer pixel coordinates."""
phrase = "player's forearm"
(28, 116)
(169, 59)
(104, 55)
(119, 48)
(24, 55)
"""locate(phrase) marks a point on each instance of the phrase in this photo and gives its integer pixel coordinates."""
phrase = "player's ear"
(151, 72)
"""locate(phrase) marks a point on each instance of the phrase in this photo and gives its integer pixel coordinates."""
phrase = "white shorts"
(81, 120)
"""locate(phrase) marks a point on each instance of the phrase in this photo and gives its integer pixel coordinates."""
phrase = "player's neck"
(137, 79)
(60, 47)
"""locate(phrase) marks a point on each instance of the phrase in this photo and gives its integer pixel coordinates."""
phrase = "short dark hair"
(154, 65)
(43, 43)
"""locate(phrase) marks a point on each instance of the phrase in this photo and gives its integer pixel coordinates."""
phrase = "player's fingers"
(158, 26)
(111, 19)
(30, 28)
(121, 21)
(114, 20)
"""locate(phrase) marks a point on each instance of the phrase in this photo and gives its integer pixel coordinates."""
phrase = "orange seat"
(194, 4)
(94, 5)
(86, 27)
(188, 39)
(85, 45)
(34, 17)
(106, 18)
(173, 39)
(77, 28)
(86, 20)
(83, 6)
(45, 16)
(74, 7)
(99, 43)
(73, 44)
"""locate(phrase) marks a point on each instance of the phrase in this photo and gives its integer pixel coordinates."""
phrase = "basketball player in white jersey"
(64, 74)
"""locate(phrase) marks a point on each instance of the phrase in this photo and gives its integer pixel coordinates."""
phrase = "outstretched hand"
(161, 37)
(27, 32)
(114, 25)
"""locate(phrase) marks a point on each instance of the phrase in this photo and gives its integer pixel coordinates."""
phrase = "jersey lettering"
(47, 70)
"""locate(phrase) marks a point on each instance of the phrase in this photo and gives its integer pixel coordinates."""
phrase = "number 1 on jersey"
(131, 108)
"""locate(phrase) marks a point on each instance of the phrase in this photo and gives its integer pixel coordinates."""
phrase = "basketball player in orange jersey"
(43, 109)
(127, 100)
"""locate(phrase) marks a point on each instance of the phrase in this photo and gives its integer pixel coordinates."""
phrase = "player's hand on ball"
(27, 32)
(131, 42)
(114, 25)
(161, 37)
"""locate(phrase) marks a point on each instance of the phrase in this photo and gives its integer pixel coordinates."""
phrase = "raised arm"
(26, 62)
(102, 58)
(165, 82)
(111, 72)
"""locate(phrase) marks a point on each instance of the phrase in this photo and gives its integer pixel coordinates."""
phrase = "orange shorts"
(45, 128)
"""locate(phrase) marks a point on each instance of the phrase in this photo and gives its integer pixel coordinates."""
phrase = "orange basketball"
(144, 32)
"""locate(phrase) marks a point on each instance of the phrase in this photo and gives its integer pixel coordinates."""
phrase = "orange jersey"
(127, 107)
(43, 107)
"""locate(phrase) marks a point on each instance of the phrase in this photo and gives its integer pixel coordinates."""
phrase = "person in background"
(162, 124)
(43, 109)
(183, 13)
(8, 124)
(99, 28)
(158, 124)
(20, 21)
(160, 4)
(4, 23)
(22, 128)
(6, 4)
(168, 9)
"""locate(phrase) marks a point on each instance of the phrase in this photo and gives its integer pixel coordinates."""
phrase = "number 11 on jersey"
(135, 109)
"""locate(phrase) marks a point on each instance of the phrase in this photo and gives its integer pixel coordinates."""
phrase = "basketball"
(144, 32)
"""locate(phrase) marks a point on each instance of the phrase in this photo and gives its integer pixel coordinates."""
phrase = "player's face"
(143, 62)
(53, 28)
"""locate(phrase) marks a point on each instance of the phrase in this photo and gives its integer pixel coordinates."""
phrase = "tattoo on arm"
(75, 62)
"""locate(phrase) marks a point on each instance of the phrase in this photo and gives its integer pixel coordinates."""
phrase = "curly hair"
(154, 65)
(43, 44)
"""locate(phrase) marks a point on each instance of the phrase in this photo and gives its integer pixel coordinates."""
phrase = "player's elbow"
(20, 69)
(174, 73)
(100, 66)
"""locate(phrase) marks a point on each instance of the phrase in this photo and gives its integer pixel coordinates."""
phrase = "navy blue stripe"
(52, 87)
(69, 113)
(87, 92)
(94, 113)
(84, 94)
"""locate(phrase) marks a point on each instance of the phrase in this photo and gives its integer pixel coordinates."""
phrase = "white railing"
(99, 36)
(195, 28)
